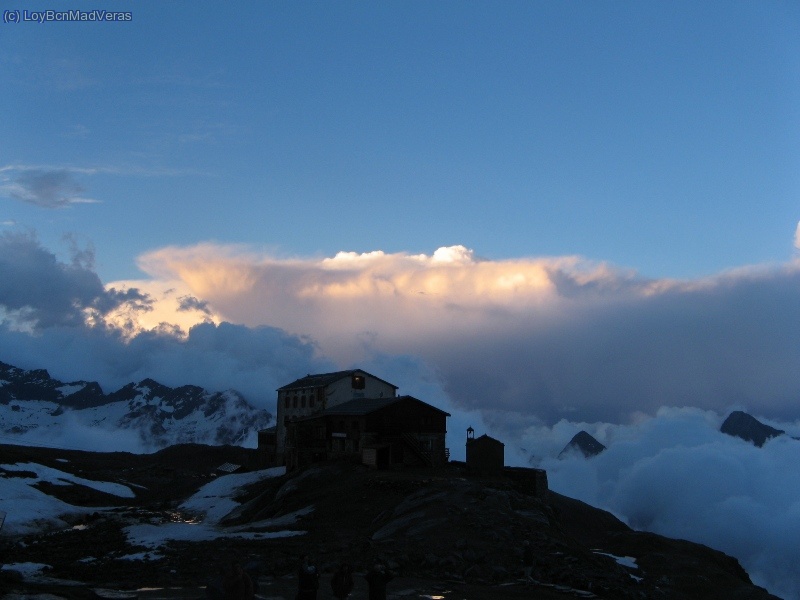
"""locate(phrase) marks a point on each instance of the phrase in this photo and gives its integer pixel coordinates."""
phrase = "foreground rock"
(443, 532)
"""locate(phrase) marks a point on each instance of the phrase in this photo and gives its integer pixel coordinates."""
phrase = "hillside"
(442, 531)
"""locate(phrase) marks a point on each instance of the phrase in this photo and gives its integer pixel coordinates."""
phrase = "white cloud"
(558, 337)
(797, 236)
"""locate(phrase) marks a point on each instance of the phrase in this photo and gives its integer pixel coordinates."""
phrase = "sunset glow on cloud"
(552, 337)
(396, 296)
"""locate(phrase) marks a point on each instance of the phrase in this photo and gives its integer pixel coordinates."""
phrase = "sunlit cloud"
(552, 338)
(171, 306)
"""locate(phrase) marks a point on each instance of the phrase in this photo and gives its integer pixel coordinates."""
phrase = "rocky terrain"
(445, 534)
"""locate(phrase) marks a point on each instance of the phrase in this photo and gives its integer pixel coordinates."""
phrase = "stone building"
(312, 394)
(375, 431)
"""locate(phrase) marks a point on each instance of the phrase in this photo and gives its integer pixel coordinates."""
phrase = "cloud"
(677, 475)
(59, 316)
(797, 236)
(45, 188)
(190, 303)
(39, 291)
(551, 338)
(54, 186)
(170, 305)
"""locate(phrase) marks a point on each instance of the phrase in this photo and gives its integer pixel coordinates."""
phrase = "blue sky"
(662, 137)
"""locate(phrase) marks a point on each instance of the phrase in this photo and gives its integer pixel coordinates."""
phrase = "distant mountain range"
(160, 415)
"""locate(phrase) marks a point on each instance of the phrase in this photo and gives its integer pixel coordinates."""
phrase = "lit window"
(359, 382)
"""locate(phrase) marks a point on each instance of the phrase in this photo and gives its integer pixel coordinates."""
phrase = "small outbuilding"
(485, 455)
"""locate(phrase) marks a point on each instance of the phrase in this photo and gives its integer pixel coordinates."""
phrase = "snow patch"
(625, 561)
(68, 390)
(56, 477)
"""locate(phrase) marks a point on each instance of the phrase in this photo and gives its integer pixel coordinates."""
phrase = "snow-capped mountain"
(34, 405)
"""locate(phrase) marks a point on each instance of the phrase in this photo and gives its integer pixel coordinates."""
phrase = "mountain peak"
(747, 427)
(583, 443)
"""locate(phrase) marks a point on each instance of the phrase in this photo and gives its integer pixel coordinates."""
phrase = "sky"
(661, 137)
(540, 216)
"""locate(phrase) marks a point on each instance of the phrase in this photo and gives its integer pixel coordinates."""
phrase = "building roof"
(324, 379)
(365, 406)
(485, 439)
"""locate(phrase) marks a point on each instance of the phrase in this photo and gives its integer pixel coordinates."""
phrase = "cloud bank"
(549, 338)
(677, 475)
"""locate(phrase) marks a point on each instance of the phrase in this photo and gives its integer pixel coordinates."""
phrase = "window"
(311, 402)
(302, 401)
(359, 382)
(294, 402)
(286, 402)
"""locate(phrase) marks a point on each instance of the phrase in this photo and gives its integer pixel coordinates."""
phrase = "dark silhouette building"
(485, 455)
(375, 431)
(312, 394)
